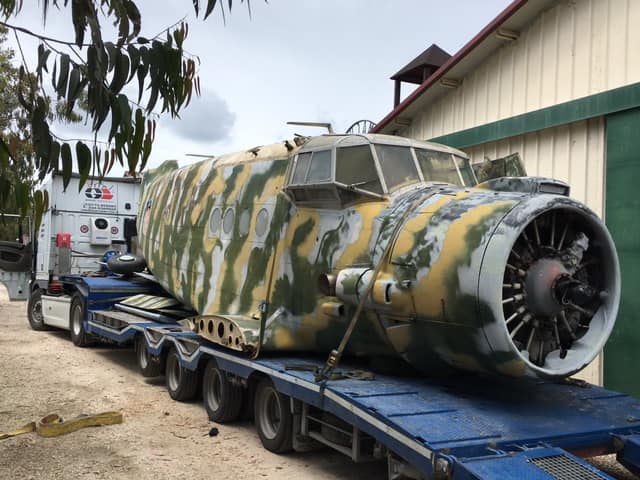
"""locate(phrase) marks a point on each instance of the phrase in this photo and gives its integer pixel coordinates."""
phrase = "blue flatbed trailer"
(462, 428)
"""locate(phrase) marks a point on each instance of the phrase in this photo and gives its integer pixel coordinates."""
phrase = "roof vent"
(419, 69)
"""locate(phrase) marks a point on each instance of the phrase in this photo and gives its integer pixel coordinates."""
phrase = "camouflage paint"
(437, 301)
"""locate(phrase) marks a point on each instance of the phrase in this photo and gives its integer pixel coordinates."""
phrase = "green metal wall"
(622, 353)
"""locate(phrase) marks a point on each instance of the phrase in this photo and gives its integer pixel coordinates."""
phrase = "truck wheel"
(79, 336)
(181, 383)
(222, 399)
(150, 366)
(34, 311)
(273, 418)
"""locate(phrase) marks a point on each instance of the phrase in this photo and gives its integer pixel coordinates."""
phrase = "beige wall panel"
(533, 52)
(599, 43)
(617, 41)
(574, 49)
(565, 53)
(505, 93)
(582, 42)
(549, 66)
(572, 153)
(494, 92)
(633, 38)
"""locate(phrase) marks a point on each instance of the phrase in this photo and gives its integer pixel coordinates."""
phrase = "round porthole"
(243, 225)
(227, 221)
(262, 221)
(214, 221)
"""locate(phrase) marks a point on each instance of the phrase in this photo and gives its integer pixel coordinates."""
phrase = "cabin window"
(227, 221)
(398, 166)
(243, 224)
(262, 220)
(438, 166)
(214, 221)
(355, 167)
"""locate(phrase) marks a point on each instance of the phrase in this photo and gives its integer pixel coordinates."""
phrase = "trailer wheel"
(182, 383)
(273, 418)
(34, 311)
(222, 399)
(150, 366)
(79, 336)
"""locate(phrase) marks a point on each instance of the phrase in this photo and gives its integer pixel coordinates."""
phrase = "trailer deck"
(467, 427)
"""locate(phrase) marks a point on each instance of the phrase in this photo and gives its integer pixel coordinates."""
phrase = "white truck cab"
(78, 228)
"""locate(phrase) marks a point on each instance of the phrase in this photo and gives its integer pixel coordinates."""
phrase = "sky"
(290, 60)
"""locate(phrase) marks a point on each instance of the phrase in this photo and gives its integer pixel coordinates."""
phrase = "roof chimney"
(419, 69)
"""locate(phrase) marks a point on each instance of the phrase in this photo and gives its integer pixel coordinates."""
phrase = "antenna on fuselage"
(314, 124)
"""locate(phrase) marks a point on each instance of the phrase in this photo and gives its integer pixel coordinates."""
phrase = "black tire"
(150, 366)
(222, 399)
(182, 384)
(34, 311)
(273, 418)
(126, 264)
(79, 336)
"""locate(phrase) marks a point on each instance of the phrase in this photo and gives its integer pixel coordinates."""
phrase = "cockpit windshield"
(437, 166)
(352, 171)
(398, 166)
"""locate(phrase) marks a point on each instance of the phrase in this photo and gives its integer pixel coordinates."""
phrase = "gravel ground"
(42, 372)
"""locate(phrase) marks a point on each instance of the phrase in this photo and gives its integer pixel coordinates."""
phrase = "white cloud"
(207, 119)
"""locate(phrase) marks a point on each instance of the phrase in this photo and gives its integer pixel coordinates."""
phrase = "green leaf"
(113, 54)
(120, 74)
(115, 118)
(135, 146)
(22, 196)
(125, 114)
(43, 55)
(74, 82)
(54, 154)
(67, 164)
(41, 202)
(61, 87)
(79, 18)
(83, 157)
(54, 75)
(211, 4)
(142, 73)
(134, 56)
(4, 155)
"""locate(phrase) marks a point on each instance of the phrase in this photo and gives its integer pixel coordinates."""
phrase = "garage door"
(622, 353)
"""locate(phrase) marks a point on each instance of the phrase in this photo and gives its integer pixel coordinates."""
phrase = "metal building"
(558, 82)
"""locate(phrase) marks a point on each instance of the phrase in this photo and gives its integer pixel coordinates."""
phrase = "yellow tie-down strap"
(53, 425)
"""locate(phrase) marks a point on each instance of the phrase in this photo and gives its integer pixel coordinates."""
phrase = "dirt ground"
(42, 373)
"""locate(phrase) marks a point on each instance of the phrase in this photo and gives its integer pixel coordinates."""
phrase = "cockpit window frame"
(332, 197)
